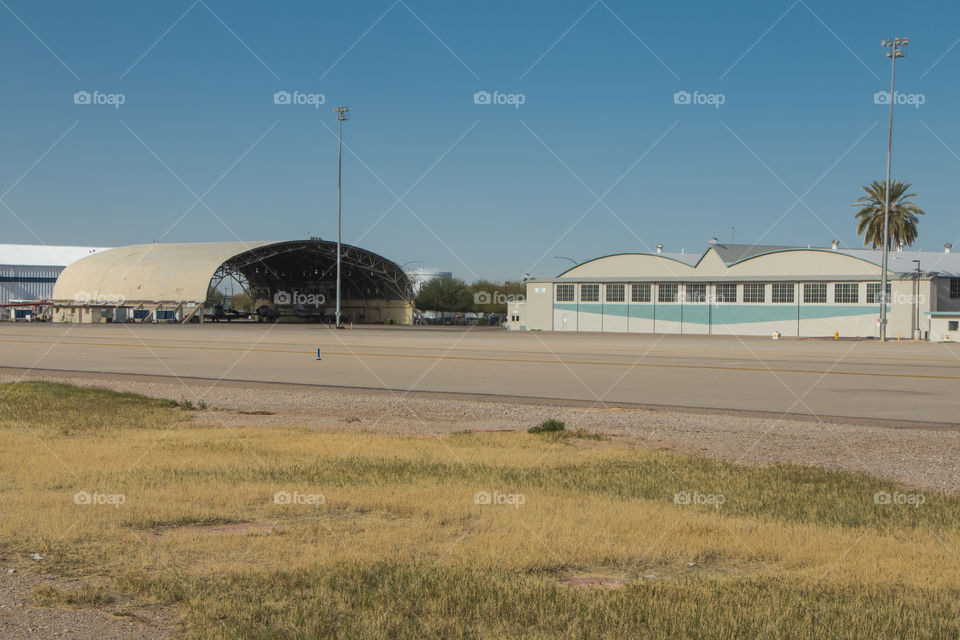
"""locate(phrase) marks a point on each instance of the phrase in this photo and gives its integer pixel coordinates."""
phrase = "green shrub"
(547, 426)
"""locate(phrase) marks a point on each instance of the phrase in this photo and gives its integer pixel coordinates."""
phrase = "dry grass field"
(266, 532)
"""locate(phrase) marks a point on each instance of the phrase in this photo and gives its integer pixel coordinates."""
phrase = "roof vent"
(835, 245)
(947, 247)
(659, 248)
(714, 240)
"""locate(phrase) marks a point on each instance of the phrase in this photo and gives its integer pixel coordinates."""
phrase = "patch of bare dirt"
(605, 582)
(234, 529)
(20, 618)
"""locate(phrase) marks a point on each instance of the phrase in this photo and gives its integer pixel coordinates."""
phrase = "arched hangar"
(288, 281)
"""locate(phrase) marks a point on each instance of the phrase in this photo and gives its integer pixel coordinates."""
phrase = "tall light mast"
(341, 118)
(896, 48)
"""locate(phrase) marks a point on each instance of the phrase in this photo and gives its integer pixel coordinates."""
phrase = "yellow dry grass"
(786, 540)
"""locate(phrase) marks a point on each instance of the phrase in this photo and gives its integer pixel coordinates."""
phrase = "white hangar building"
(28, 272)
(749, 290)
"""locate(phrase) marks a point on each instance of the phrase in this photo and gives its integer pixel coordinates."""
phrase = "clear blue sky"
(486, 190)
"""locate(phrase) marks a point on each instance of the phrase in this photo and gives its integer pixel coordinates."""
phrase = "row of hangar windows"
(749, 292)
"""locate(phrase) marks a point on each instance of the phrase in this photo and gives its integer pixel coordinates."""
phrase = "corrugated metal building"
(28, 272)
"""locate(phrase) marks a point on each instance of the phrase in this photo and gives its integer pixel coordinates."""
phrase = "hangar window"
(667, 293)
(846, 292)
(616, 293)
(953, 325)
(753, 292)
(726, 292)
(564, 293)
(696, 292)
(814, 292)
(955, 288)
(782, 292)
(873, 293)
(639, 293)
(589, 293)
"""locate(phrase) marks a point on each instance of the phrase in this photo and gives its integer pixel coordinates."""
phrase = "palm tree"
(903, 214)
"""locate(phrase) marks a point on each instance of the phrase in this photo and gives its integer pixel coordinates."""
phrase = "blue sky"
(598, 158)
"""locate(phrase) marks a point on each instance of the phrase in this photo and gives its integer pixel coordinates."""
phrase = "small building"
(515, 314)
(944, 326)
(745, 290)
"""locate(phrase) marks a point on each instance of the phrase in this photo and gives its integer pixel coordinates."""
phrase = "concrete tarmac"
(909, 382)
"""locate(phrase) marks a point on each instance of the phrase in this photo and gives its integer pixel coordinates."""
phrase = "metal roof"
(148, 272)
(733, 253)
(900, 263)
(687, 258)
(42, 255)
(947, 264)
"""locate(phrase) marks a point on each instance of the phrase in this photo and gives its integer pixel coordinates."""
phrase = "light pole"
(916, 302)
(341, 118)
(896, 48)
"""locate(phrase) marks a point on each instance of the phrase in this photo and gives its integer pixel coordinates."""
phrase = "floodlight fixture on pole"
(342, 116)
(896, 48)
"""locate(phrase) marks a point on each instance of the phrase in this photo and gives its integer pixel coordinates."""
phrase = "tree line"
(449, 294)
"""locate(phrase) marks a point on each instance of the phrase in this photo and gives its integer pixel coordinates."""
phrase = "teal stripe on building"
(704, 314)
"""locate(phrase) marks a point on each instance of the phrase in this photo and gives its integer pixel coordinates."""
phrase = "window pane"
(615, 293)
(589, 293)
(815, 292)
(640, 293)
(696, 292)
(753, 292)
(955, 288)
(782, 292)
(873, 293)
(667, 293)
(846, 292)
(564, 293)
(726, 292)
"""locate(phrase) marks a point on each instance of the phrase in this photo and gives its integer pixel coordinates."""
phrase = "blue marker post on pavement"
(318, 354)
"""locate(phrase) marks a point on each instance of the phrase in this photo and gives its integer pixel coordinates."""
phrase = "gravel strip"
(20, 619)
(923, 458)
